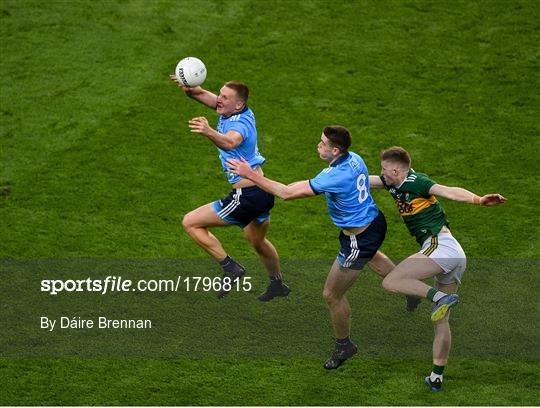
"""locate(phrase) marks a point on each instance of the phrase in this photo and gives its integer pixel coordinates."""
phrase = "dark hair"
(339, 137)
(240, 88)
(396, 154)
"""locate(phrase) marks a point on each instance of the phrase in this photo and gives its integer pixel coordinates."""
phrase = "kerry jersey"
(421, 211)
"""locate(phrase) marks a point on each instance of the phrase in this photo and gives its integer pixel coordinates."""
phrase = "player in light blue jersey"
(247, 205)
(345, 184)
(243, 123)
(363, 227)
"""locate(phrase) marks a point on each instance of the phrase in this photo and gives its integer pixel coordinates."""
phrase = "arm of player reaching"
(299, 189)
(198, 93)
(375, 182)
(226, 141)
(466, 196)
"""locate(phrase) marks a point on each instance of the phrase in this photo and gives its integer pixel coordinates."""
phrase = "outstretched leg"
(382, 266)
(197, 222)
(407, 278)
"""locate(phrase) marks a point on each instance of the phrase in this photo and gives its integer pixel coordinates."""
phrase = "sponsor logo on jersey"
(415, 206)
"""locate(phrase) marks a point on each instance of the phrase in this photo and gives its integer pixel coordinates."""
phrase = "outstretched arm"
(198, 93)
(375, 182)
(466, 196)
(299, 189)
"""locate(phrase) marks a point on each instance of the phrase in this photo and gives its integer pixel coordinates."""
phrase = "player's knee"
(329, 297)
(259, 245)
(256, 243)
(187, 222)
(389, 283)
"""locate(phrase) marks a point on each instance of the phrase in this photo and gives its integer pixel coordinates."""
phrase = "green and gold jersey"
(422, 213)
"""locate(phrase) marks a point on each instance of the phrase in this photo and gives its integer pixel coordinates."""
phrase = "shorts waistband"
(354, 230)
(445, 231)
(245, 189)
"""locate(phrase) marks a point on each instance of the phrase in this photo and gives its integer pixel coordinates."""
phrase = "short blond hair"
(396, 154)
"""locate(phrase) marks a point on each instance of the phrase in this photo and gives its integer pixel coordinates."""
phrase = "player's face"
(326, 151)
(228, 102)
(391, 172)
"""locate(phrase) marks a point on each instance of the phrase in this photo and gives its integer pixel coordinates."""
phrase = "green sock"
(434, 295)
(431, 292)
(438, 369)
(436, 373)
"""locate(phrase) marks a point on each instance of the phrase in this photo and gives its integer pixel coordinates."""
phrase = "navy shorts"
(357, 250)
(244, 205)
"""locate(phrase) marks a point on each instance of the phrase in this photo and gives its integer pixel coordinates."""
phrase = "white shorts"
(444, 249)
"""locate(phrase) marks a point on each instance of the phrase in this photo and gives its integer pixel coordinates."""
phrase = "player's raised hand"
(490, 200)
(242, 168)
(200, 125)
(186, 89)
(173, 78)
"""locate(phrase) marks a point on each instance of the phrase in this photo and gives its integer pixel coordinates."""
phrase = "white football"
(190, 72)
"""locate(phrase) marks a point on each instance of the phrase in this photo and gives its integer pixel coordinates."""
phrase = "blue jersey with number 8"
(346, 186)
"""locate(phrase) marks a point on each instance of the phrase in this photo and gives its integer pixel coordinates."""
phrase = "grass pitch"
(97, 163)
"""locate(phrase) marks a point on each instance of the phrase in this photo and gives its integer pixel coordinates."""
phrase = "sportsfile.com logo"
(117, 284)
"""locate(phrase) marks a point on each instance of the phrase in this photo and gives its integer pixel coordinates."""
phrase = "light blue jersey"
(243, 123)
(346, 186)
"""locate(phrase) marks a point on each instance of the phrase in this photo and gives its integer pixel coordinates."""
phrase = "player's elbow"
(226, 146)
(230, 143)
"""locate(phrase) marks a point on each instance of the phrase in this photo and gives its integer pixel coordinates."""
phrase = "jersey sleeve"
(423, 184)
(325, 182)
(240, 128)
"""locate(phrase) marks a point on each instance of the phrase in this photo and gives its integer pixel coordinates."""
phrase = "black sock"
(228, 264)
(343, 342)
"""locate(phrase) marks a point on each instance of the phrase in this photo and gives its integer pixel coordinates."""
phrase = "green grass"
(264, 382)
(97, 162)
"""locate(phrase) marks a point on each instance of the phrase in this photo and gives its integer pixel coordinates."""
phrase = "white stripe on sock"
(438, 296)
